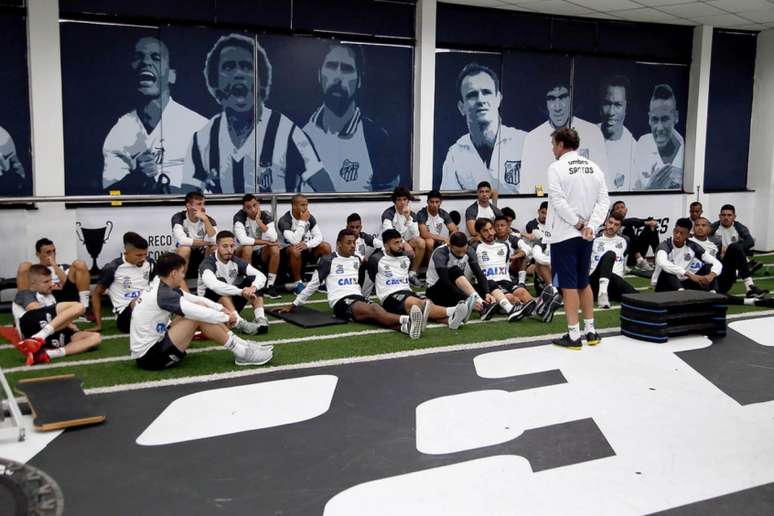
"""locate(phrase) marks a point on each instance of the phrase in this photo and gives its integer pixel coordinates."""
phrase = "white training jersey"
(366, 244)
(620, 162)
(711, 246)
(463, 168)
(576, 190)
(186, 230)
(168, 142)
(679, 260)
(341, 275)
(389, 273)
(648, 163)
(294, 231)
(602, 245)
(277, 156)
(21, 301)
(407, 226)
(437, 224)
(345, 154)
(247, 230)
(124, 281)
(494, 260)
(154, 309)
(538, 155)
(728, 235)
(222, 277)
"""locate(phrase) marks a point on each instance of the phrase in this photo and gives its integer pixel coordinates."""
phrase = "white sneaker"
(459, 315)
(644, 265)
(426, 313)
(253, 354)
(470, 303)
(247, 327)
(415, 322)
(603, 301)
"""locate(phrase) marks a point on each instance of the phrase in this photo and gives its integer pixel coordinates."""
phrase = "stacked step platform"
(656, 316)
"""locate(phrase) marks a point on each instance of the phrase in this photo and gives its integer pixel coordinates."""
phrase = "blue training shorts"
(570, 263)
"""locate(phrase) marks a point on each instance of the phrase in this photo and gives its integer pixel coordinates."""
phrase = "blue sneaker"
(300, 286)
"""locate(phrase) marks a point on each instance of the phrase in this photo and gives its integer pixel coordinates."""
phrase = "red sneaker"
(30, 345)
(41, 357)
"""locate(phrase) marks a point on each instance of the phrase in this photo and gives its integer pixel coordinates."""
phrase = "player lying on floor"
(388, 269)
(232, 282)
(156, 343)
(343, 273)
(46, 326)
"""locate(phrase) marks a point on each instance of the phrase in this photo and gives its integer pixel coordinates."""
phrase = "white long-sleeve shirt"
(222, 277)
(154, 309)
(295, 230)
(677, 260)
(247, 230)
(576, 190)
(406, 226)
(186, 231)
(341, 275)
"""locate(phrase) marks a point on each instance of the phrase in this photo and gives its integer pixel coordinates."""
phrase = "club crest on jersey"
(386, 267)
(348, 171)
(619, 245)
(127, 282)
(339, 269)
(512, 172)
(687, 256)
(500, 252)
(403, 265)
(266, 179)
(438, 227)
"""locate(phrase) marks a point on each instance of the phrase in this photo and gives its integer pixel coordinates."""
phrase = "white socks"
(236, 345)
(450, 311)
(574, 331)
(271, 279)
(522, 276)
(748, 283)
(404, 324)
(44, 333)
(506, 305)
(56, 353)
(83, 295)
(588, 326)
(603, 283)
(259, 312)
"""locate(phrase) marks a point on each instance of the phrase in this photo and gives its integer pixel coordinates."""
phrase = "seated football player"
(608, 255)
(674, 259)
(435, 223)
(388, 269)
(157, 342)
(639, 242)
(734, 261)
(232, 282)
(303, 240)
(521, 251)
(69, 282)
(549, 298)
(342, 274)
(482, 208)
(123, 279)
(46, 326)
(400, 218)
(194, 231)
(493, 258)
(255, 233)
(733, 233)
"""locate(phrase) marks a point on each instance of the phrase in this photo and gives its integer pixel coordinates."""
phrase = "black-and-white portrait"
(144, 151)
(15, 156)
(490, 151)
(157, 110)
(661, 152)
(620, 144)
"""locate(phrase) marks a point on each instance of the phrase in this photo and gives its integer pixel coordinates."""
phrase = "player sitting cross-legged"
(45, 325)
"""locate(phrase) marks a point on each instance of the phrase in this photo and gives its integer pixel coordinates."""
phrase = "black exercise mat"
(59, 402)
(307, 318)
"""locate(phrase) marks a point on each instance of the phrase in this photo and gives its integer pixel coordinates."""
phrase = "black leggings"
(617, 286)
(669, 282)
(639, 244)
(733, 261)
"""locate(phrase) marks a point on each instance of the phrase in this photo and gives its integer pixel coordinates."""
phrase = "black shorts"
(197, 255)
(343, 307)
(162, 355)
(34, 320)
(570, 263)
(443, 297)
(124, 319)
(68, 292)
(396, 302)
(505, 285)
(239, 301)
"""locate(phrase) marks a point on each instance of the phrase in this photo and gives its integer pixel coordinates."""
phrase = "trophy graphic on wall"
(94, 239)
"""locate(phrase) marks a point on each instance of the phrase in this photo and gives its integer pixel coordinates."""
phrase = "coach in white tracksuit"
(577, 204)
